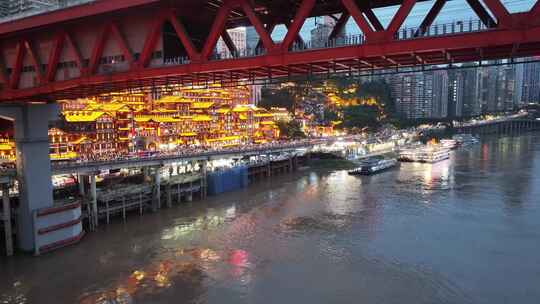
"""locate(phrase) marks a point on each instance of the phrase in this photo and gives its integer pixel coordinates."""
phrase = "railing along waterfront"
(66, 166)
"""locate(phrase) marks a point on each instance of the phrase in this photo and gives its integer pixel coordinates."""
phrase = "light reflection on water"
(459, 231)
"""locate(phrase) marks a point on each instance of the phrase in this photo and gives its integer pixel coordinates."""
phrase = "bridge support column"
(33, 163)
(80, 181)
(94, 220)
(156, 202)
(204, 183)
(7, 219)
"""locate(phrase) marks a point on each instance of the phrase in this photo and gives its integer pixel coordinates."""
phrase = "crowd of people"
(182, 152)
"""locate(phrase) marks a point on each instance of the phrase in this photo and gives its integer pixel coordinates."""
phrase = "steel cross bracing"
(113, 45)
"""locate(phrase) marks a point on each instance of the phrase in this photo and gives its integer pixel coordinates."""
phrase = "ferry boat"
(374, 165)
(431, 154)
(408, 155)
(449, 143)
(434, 155)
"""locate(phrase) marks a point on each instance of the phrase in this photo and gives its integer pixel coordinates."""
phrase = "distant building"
(238, 37)
(471, 102)
(22, 8)
(519, 85)
(319, 35)
(507, 87)
(322, 31)
(455, 93)
(255, 94)
(413, 94)
(16, 7)
(439, 100)
(530, 90)
(4, 9)
(252, 38)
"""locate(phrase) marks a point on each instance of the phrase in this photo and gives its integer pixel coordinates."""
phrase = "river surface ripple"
(466, 230)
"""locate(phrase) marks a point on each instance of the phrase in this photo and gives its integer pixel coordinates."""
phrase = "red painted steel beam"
(75, 12)
(306, 6)
(299, 38)
(35, 59)
(187, 42)
(481, 12)
(122, 43)
(375, 23)
(535, 10)
(264, 34)
(402, 13)
(151, 40)
(229, 42)
(54, 57)
(499, 11)
(430, 17)
(215, 31)
(17, 67)
(75, 51)
(469, 43)
(99, 45)
(269, 28)
(340, 24)
(362, 23)
(3, 76)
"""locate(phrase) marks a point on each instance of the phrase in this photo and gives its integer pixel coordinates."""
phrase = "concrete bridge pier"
(204, 178)
(31, 123)
(156, 201)
(5, 215)
(94, 220)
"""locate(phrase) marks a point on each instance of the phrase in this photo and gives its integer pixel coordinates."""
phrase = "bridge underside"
(116, 45)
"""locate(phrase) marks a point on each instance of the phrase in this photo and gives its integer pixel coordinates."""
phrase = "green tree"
(361, 117)
(330, 115)
(280, 98)
(290, 129)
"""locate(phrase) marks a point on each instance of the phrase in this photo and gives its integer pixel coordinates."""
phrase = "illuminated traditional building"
(62, 145)
(97, 126)
(128, 122)
(7, 150)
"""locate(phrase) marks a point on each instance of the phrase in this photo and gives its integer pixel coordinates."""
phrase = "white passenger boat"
(430, 154)
(374, 165)
(449, 143)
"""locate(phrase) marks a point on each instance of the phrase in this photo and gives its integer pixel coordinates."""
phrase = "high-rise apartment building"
(322, 31)
(530, 90)
(507, 87)
(22, 8)
(471, 101)
(4, 8)
(252, 38)
(16, 7)
(455, 93)
(238, 37)
(439, 100)
(413, 94)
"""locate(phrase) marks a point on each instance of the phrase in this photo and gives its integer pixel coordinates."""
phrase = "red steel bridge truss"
(112, 45)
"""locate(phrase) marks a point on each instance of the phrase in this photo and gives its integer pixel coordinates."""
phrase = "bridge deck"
(115, 45)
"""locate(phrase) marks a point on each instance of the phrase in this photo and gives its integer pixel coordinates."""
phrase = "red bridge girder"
(83, 41)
